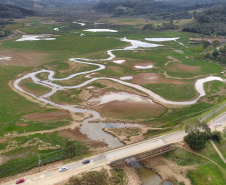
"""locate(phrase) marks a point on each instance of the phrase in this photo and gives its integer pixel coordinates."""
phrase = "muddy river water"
(94, 130)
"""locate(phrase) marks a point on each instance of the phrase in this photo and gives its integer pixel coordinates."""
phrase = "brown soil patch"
(37, 92)
(73, 134)
(172, 59)
(46, 116)
(169, 170)
(175, 67)
(127, 135)
(24, 58)
(2, 140)
(85, 95)
(129, 110)
(21, 124)
(153, 78)
(143, 65)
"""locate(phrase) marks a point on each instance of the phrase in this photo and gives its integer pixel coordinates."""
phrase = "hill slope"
(9, 11)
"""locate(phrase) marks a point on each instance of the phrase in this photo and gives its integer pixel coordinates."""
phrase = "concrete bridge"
(130, 160)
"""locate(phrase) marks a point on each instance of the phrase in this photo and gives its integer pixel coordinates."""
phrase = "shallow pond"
(147, 176)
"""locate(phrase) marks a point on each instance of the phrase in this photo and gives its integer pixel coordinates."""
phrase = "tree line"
(209, 22)
(14, 12)
(164, 26)
(7, 15)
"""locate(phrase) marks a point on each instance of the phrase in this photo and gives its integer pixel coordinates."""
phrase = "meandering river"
(94, 131)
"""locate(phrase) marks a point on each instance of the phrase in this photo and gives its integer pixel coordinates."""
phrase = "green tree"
(215, 53)
(206, 44)
(216, 43)
(70, 150)
(216, 135)
(198, 133)
(222, 50)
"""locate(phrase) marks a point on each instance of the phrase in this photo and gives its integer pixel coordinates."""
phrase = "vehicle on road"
(218, 124)
(86, 161)
(62, 169)
(20, 181)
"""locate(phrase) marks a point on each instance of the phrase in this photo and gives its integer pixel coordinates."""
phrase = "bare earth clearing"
(153, 78)
(175, 67)
(46, 116)
(24, 58)
(129, 109)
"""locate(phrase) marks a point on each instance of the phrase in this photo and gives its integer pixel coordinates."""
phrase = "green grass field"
(172, 91)
(205, 171)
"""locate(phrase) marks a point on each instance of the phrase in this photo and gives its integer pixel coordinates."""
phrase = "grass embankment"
(205, 172)
(50, 147)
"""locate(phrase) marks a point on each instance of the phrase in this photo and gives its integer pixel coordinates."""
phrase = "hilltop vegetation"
(14, 12)
(146, 8)
(8, 13)
(210, 22)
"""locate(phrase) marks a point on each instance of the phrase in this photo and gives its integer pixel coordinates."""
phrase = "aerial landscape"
(113, 92)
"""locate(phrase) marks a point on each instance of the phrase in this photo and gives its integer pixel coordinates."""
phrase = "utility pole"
(39, 162)
(76, 150)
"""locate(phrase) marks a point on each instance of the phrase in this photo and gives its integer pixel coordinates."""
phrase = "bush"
(216, 136)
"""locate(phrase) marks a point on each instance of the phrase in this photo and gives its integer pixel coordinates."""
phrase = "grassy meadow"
(205, 171)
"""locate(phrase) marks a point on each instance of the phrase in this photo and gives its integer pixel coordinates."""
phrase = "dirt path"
(202, 156)
(218, 151)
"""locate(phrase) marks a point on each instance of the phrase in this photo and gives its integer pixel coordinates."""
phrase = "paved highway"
(50, 177)
(53, 176)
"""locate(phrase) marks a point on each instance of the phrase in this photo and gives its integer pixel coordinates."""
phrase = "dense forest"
(8, 13)
(134, 8)
(14, 12)
(145, 8)
(210, 22)
(193, 2)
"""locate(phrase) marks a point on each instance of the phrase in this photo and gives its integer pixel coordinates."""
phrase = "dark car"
(86, 161)
(20, 181)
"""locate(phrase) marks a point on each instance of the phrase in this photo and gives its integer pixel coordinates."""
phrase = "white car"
(218, 124)
(62, 169)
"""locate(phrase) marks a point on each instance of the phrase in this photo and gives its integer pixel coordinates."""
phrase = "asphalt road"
(53, 176)
(49, 177)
